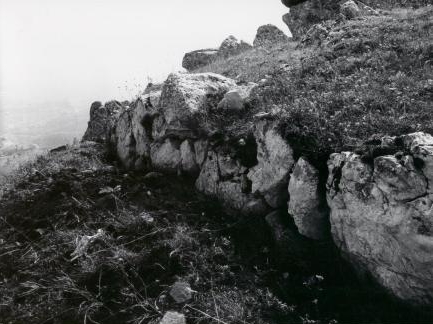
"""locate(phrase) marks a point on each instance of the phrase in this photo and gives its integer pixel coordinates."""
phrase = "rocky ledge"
(377, 210)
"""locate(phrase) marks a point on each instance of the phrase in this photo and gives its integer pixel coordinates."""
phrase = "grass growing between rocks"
(83, 242)
(369, 76)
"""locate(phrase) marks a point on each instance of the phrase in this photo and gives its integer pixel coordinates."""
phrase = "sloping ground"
(150, 231)
(362, 77)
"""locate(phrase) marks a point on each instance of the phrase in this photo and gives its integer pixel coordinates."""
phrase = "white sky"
(55, 52)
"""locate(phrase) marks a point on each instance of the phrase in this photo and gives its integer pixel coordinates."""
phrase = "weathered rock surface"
(229, 47)
(236, 99)
(184, 96)
(232, 46)
(306, 203)
(381, 217)
(181, 292)
(133, 132)
(102, 118)
(268, 35)
(270, 177)
(381, 214)
(197, 59)
(173, 318)
(304, 15)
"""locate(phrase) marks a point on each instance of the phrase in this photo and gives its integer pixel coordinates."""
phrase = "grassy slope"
(371, 76)
(125, 275)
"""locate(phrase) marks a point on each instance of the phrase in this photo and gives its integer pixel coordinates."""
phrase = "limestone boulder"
(186, 97)
(102, 119)
(268, 35)
(166, 156)
(307, 203)
(236, 99)
(381, 219)
(304, 14)
(222, 177)
(188, 158)
(232, 46)
(197, 59)
(270, 177)
(133, 133)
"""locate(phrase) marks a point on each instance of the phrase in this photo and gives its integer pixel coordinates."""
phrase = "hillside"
(345, 82)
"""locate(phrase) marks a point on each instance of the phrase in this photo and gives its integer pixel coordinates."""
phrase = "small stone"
(148, 219)
(173, 318)
(181, 292)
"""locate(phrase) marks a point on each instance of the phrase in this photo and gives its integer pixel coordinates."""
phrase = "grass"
(370, 76)
(151, 239)
(152, 235)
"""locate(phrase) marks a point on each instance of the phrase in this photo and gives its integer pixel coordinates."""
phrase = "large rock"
(102, 119)
(307, 203)
(184, 97)
(133, 132)
(166, 156)
(382, 217)
(270, 177)
(236, 99)
(197, 59)
(222, 177)
(303, 15)
(232, 46)
(268, 35)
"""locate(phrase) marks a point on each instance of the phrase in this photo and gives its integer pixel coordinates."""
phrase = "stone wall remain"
(379, 213)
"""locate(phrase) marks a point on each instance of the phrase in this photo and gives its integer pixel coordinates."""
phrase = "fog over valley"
(57, 57)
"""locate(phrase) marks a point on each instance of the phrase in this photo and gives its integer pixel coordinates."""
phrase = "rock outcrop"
(304, 15)
(197, 59)
(378, 213)
(229, 47)
(186, 97)
(268, 35)
(102, 118)
(232, 46)
(381, 216)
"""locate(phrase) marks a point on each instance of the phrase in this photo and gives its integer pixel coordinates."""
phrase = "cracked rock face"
(102, 118)
(133, 132)
(306, 204)
(382, 217)
(270, 177)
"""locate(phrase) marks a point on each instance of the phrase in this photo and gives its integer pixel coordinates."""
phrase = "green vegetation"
(370, 76)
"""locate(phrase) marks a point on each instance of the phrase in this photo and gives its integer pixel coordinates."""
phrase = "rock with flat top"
(197, 59)
(186, 97)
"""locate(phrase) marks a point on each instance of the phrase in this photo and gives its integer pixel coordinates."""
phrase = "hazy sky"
(70, 53)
